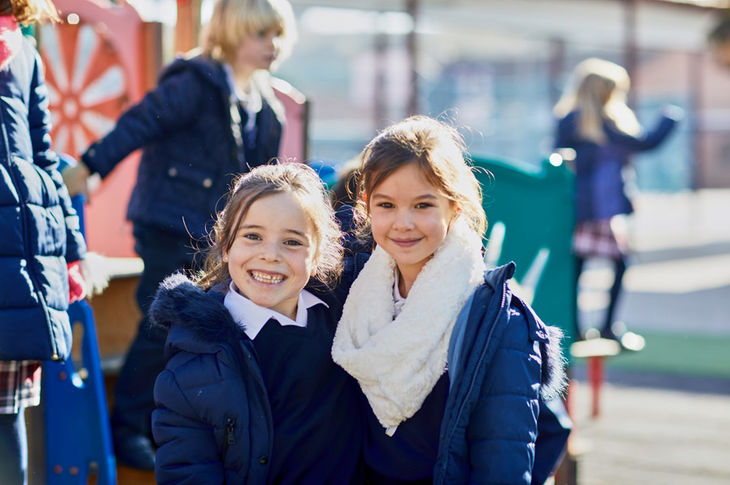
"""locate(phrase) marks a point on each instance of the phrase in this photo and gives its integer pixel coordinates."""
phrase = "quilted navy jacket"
(40, 230)
(192, 147)
(599, 182)
(212, 403)
(503, 361)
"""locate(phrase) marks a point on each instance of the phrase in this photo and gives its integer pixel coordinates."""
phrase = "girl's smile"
(272, 258)
(410, 219)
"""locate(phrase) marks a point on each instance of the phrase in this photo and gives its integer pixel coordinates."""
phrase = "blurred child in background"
(595, 121)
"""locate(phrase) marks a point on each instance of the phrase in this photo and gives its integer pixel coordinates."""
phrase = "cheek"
(378, 227)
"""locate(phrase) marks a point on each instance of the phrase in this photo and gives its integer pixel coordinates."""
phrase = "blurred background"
(495, 69)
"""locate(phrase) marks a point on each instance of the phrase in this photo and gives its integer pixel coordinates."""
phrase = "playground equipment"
(530, 214)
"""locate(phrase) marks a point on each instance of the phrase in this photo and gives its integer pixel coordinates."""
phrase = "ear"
(224, 258)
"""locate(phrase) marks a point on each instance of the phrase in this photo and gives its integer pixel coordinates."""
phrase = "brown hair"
(29, 11)
(294, 178)
(438, 151)
(234, 20)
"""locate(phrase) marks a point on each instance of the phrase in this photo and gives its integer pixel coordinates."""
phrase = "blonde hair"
(293, 178)
(234, 20)
(29, 11)
(599, 94)
(437, 149)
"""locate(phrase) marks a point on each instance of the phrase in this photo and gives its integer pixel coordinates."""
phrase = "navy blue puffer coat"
(40, 230)
(599, 182)
(191, 148)
(504, 362)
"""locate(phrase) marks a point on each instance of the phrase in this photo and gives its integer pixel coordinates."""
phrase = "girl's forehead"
(279, 210)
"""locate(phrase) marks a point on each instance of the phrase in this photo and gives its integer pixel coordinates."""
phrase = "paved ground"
(653, 436)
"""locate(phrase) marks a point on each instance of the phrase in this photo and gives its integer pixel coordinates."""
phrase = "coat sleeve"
(187, 452)
(39, 123)
(646, 141)
(167, 108)
(503, 427)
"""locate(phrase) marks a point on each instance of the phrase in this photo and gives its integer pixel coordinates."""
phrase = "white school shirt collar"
(251, 102)
(253, 317)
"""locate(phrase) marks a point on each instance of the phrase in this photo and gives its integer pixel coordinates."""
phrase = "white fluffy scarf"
(398, 361)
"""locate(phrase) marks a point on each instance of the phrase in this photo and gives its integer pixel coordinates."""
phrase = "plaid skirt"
(599, 238)
(20, 385)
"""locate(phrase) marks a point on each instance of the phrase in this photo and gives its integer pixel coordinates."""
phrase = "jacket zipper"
(230, 438)
(24, 224)
(481, 358)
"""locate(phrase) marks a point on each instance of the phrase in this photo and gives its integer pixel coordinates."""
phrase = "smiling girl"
(453, 364)
(212, 116)
(250, 393)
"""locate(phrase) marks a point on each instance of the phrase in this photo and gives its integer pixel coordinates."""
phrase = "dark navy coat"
(39, 229)
(503, 361)
(212, 403)
(192, 150)
(599, 189)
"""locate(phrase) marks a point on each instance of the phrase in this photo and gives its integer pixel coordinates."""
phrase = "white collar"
(251, 101)
(253, 317)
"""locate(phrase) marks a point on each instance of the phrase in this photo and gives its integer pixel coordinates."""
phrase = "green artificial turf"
(680, 354)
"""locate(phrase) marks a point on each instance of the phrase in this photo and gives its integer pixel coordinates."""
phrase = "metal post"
(630, 48)
(556, 68)
(412, 47)
(696, 129)
(380, 53)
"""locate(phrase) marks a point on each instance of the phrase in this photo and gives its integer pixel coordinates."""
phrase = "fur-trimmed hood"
(193, 315)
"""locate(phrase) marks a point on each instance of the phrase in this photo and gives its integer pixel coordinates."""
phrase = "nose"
(270, 251)
(403, 220)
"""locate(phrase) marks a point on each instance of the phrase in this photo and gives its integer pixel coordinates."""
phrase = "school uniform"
(251, 396)
(457, 375)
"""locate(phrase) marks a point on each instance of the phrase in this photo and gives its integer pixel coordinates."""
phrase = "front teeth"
(266, 278)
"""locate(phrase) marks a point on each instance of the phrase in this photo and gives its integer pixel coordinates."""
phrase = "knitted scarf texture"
(397, 362)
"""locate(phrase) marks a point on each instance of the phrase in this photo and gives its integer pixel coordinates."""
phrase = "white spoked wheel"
(87, 85)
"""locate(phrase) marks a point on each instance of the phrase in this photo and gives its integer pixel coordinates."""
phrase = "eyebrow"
(256, 226)
(419, 197)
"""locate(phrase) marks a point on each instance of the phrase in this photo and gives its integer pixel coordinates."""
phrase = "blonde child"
(250, 393)
(452, 363)
(595, 121)
(41, 243)
(212, 116)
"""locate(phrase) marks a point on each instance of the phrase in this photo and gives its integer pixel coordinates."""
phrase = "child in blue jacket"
(453, 364)
(596, 123)
(40, 235)
(250, 393)
(212, 116)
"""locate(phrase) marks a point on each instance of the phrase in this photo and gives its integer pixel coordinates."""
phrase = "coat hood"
(181, 305)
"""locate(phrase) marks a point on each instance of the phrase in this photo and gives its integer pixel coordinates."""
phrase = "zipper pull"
(230, 424)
